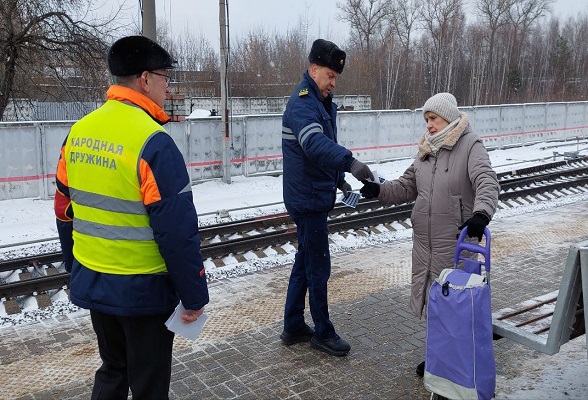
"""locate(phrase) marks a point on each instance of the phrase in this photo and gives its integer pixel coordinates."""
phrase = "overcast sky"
(202, 16)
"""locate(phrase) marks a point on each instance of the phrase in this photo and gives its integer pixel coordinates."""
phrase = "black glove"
(476, 225)
(370, 190)
(344, 187)
(361, 171)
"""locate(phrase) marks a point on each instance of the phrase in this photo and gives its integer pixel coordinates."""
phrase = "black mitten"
(370, 190)
(476, 225)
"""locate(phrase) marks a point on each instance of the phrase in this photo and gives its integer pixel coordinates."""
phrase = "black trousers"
(310, 273)
(136, 353)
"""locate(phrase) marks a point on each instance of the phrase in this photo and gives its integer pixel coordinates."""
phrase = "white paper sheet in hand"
(189, 331)
(377, 178)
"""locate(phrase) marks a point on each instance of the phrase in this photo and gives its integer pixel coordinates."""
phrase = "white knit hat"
(444, 105)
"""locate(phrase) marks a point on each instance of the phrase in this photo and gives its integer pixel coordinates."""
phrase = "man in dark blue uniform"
(314, 167)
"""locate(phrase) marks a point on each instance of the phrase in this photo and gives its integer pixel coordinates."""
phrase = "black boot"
(335, 346)
(420, 369)
(303, 335)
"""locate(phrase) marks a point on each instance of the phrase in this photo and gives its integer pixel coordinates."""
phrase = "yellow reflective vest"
(111, 228)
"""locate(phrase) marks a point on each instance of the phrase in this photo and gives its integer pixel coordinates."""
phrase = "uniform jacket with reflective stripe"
(123, 188)
(314, 163)
(447, 189)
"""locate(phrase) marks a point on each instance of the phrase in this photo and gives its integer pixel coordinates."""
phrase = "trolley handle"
(473, 248)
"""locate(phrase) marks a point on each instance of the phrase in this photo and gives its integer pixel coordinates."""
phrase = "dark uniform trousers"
(311, 270)
(136, 353)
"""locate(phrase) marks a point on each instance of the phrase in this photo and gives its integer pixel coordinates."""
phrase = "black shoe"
(304, 335)
(334, 346)
(420, 369)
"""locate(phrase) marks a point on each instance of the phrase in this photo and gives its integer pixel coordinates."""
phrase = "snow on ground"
(557, 377)
(32, 222)
(24, 220)
(562, 376)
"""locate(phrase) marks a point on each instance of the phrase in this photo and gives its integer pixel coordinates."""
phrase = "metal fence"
(29, 150)
(270, 105)
(27, 110)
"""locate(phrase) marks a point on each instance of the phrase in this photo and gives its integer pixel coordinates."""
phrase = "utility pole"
(148, 19)
(223, 84)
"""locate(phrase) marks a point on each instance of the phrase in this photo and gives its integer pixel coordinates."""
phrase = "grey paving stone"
(387, 340)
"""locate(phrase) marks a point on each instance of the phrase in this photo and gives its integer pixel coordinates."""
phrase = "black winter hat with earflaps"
(327, 54)
(131, 55)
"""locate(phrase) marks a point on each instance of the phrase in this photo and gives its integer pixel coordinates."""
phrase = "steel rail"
(367, 214)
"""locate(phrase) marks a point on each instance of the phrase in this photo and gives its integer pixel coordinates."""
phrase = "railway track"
(42, 274)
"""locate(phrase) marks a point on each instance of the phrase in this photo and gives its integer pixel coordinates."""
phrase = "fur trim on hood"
(450, 139)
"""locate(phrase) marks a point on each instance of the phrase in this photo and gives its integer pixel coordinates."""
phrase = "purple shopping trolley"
(459, 360)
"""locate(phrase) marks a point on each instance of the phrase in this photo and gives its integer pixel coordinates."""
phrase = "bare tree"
(290, 56)
(475, 64)
(198, 70)
(443, 20)
(523, 14)
(251, 68)
(404, 18)
(42, 39)
(575, 30)
(366, 19)
(495, 13)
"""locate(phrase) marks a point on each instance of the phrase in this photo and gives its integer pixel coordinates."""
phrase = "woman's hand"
(476, 225)
(370, 190)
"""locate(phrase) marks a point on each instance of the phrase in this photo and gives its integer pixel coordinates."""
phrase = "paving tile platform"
(239, 354)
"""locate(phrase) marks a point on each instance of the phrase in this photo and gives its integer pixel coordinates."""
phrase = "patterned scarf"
(436, 140)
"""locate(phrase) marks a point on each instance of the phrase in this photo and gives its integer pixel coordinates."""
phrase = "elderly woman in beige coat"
(453, 186)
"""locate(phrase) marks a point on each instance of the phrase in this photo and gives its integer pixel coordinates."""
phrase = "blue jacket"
(314, 164)
(172, 218)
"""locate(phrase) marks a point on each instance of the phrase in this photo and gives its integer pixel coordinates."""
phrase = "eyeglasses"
(167, 78)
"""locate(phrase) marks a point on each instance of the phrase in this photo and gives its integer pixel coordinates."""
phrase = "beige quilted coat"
(447, 189)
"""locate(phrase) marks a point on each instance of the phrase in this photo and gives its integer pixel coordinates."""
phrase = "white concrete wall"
(29, 150)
